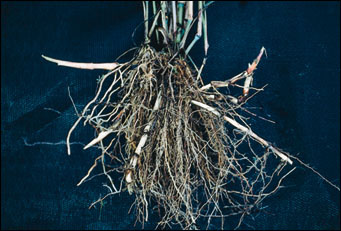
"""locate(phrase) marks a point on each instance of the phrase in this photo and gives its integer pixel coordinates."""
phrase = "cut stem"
(189, 19)
(163, 15)
(155, 22)
(204, 23)
(145, 11)
(180, 10)
(199, 28)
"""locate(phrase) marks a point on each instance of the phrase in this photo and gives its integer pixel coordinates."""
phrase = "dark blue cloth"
(38, 183)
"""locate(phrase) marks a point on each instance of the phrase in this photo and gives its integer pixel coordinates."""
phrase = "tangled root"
(181, 147)
(178, 144)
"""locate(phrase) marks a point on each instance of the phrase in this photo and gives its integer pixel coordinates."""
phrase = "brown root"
(174, 146)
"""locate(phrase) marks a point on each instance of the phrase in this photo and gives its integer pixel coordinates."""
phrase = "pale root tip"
(100, 137)
(49, 59)
(86, 147)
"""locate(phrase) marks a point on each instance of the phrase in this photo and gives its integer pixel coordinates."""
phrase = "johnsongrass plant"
(180, 146)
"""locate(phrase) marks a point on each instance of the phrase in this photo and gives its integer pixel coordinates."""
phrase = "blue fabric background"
(38, 183)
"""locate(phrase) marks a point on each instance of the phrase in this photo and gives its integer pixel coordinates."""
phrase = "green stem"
(204, 23)
(145, 9)
(155, 24)
(189, 19)
(199, 28)
(180, 31)
(163, 15)
(174, 18)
